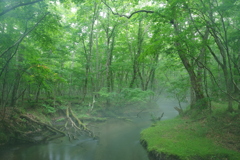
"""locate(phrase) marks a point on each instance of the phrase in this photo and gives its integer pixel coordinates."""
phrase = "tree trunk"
(38, 92)
(195, 81)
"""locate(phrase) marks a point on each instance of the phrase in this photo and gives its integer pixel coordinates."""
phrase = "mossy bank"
(201, 136)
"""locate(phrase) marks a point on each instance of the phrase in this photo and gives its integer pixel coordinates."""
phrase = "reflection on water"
(64, 150)
(119, 140)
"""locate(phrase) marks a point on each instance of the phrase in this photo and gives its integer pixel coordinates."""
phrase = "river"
(118, 139)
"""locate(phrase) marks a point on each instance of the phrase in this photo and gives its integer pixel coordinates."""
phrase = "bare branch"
(18, 5)
(121, 15)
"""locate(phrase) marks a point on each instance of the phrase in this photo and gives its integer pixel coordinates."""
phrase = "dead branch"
(159, 118)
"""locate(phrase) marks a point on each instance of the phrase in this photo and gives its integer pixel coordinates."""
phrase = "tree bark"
(195, 81)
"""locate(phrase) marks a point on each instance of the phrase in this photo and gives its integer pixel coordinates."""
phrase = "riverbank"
(49, 119)
(197, 136)
(42, 122)
(118, 137)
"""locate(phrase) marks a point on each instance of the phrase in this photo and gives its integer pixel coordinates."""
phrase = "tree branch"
(18, 5)
(215, 81)
(24, 35)
(121, 15)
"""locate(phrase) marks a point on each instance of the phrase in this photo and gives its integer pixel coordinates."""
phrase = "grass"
(207, 136)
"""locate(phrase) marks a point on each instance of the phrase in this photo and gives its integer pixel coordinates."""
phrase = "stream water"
(118, 140)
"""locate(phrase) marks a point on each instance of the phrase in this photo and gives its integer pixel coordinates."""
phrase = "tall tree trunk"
(195, 81)
(136, 54)
(88, 52)
(38, 92)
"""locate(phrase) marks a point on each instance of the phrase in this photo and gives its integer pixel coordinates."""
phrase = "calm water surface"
(119, 140)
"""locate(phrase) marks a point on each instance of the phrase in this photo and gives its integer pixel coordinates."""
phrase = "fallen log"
(50, 128)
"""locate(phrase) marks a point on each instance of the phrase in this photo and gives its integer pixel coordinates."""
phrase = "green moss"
(61, 119)
(185, 139)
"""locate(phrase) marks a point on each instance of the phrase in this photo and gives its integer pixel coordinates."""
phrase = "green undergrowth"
(206, 136)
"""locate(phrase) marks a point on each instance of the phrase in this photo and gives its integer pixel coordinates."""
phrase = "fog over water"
(118, 139)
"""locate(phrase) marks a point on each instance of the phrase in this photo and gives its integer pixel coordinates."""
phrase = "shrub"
(48, 109)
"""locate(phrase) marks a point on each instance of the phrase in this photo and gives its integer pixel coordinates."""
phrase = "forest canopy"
(120, 51)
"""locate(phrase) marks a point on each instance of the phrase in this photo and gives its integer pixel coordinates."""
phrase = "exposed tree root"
(77, 128)
(26, 128)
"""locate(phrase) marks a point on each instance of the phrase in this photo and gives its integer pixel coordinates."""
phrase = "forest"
(94, 57)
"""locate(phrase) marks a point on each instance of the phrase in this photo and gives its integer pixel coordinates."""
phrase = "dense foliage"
(119, 51)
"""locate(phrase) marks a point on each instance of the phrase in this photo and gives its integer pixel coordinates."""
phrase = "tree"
(13, 33)
(198, 33)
